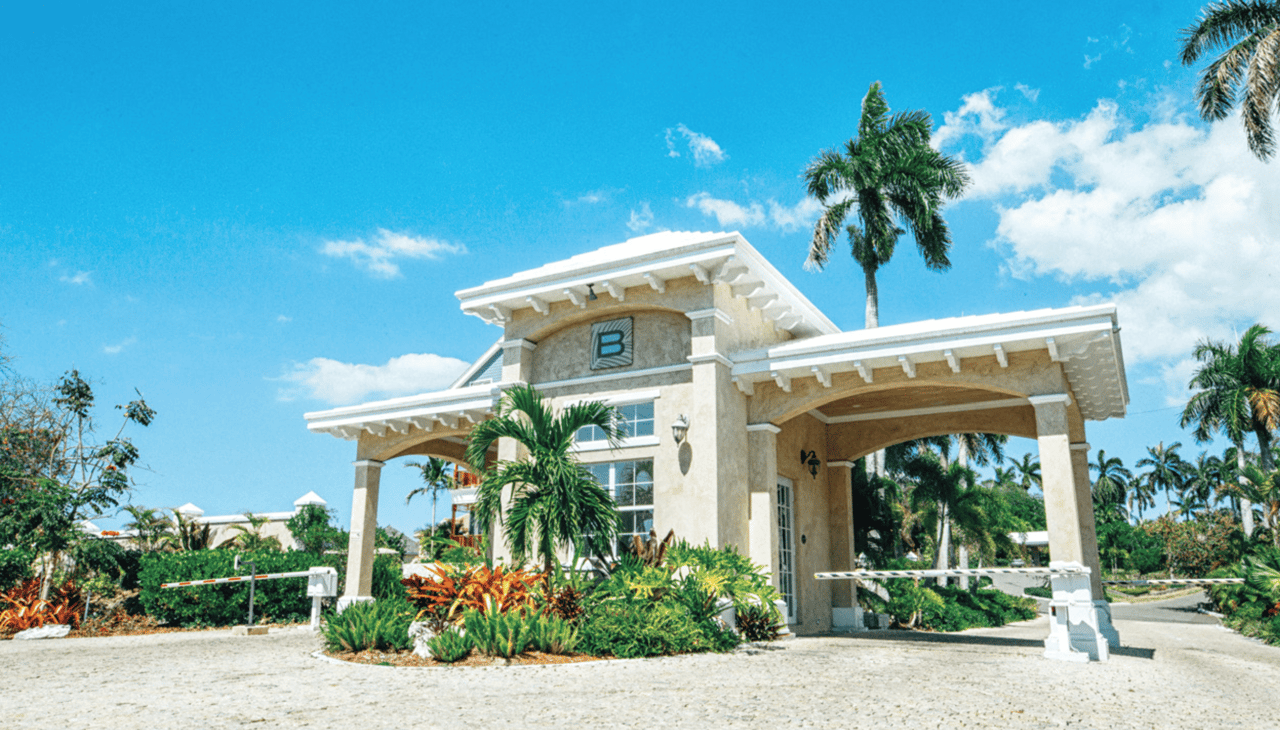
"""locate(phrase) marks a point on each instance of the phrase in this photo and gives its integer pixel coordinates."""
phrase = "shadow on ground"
(925, 637)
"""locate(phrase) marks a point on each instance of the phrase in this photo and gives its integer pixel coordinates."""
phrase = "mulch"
(409, 659)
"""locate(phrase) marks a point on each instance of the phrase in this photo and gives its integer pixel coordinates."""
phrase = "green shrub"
(450, 645)
(223, 604)
(494, 633)
(15, 566)
(381, 625)
(628, 629)
(1038, 591)
(552, 635)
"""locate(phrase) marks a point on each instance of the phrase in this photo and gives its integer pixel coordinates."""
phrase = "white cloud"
(771, 213)
(1177, 221)
(80, 277)
(642, 220)
(378, 257)
(1031, 94)
(977, 115)
(340, 383)
(283, 319)
(705, 151)
(116, 349)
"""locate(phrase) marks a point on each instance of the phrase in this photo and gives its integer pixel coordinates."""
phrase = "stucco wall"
(813, 546)
(659, 338)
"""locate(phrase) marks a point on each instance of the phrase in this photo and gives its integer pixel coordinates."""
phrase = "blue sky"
(251, 211)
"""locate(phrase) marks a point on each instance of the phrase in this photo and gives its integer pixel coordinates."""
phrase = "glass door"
(787, 546)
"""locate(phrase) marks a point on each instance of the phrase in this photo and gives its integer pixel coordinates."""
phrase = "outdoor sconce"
(591, 293)
(810, 459)
(680, 428)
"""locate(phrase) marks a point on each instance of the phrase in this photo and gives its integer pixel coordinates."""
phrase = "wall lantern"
(810, 459)
(591, 293)
(680, 428)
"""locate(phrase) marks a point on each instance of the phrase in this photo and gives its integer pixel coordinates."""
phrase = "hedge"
(225, 604)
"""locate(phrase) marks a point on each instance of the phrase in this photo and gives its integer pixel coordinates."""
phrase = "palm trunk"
(963, 458)
(873, 298)
(1246, 507)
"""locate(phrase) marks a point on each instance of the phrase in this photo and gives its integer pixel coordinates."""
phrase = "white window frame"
(612, 488)
(617, 401)
(787, 543)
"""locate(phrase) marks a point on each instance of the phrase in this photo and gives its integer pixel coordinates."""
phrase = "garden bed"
(409, 659)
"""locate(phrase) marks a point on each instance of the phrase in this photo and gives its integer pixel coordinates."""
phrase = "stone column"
(1075, 633)
(762, 450)
(1089, 539)
(364, 525)
(845, 612)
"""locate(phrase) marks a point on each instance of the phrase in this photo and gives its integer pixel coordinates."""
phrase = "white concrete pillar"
(1089, 539)
(364, 526)
(762, 530)
(1062, 510)
(845, 612)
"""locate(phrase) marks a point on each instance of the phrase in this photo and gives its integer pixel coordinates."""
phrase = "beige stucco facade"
(720, 338)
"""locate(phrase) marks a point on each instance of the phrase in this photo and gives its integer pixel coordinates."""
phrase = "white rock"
(50, 631)
(421, 634)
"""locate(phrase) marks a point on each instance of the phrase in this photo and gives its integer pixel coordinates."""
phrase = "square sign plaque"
(611, 344)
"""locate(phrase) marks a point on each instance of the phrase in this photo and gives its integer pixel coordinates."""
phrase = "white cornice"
(711, 357)
(713, 312)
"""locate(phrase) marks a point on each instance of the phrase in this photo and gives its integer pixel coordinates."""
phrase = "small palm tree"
(151, 525)
(555, 502)
(1112, 484)
(890, 180)
(948, 493)
(251, 538)
(1263, 488)
(1251, 63)
(1028, 471)
(437, 479)
(1167, 469)
(188, 534)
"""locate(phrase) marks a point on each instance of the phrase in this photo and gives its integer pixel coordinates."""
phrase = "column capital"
(374, 463)
(530, 346)
(753, 427)
(841, 464)
(1080, 446)
(1038, 401)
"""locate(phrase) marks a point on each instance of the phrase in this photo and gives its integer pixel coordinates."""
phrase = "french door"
(787, 546)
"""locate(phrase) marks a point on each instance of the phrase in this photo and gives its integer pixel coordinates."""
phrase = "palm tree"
(1141, 496)
(1251, 29)
(554, 501)
(1112, 484)
(948, 493)
(889, 179)
(151, 527)
(1237, 390)
(188, 534)
(1203, 484)
(1167, 469)
(437, 478)
(251, 538)
(1263, 487)
(1028, 471)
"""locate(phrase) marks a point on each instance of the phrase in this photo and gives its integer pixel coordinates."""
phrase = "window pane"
(643, 494)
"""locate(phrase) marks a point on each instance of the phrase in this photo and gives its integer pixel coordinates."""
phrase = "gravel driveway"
(1168, 675)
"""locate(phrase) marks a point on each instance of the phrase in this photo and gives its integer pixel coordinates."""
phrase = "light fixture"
(680, 428)
(810, 459)
(591, 293)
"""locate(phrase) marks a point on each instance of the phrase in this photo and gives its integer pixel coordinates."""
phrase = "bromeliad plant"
(444, 599)
(22, 608)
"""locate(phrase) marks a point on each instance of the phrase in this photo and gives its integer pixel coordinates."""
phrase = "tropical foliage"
(1247, 71)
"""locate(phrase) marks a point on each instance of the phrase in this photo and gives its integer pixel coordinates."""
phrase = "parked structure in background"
(744, 408)
(223, 527)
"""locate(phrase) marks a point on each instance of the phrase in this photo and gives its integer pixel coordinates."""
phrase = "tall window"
(631, 484)
(634, 420)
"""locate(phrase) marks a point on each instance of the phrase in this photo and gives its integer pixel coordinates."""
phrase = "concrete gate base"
(1080, 628)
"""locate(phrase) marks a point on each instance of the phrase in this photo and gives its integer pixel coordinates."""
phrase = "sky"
(250, 211)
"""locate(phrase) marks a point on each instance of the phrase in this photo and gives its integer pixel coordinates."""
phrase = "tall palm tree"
(1112, 484)
(889, 180)
(1263, 487)
(1251, 64)
(437, 478)
(555, 501)
(1204, 480)
(1237, 391)
(1167, 470)
(1141, 496)
(947, 493)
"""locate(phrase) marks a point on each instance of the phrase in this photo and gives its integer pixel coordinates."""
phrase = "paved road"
(1183, 675)
(1184, 610)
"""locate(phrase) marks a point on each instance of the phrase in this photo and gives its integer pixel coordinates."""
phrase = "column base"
(1075, 623)
(847, 619)
(348, 600)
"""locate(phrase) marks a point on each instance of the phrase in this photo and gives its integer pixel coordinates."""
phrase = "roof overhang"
(1085, 340)
(652, 261)
(450, 409)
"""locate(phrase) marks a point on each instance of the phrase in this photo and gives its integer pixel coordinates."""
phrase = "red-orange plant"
(453, 590)
(21, 607)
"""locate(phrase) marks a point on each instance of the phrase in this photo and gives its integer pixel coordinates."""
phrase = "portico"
(779, 402)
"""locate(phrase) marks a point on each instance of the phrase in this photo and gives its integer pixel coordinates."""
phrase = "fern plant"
(497, 634)
(381, 625)
(450, 645)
